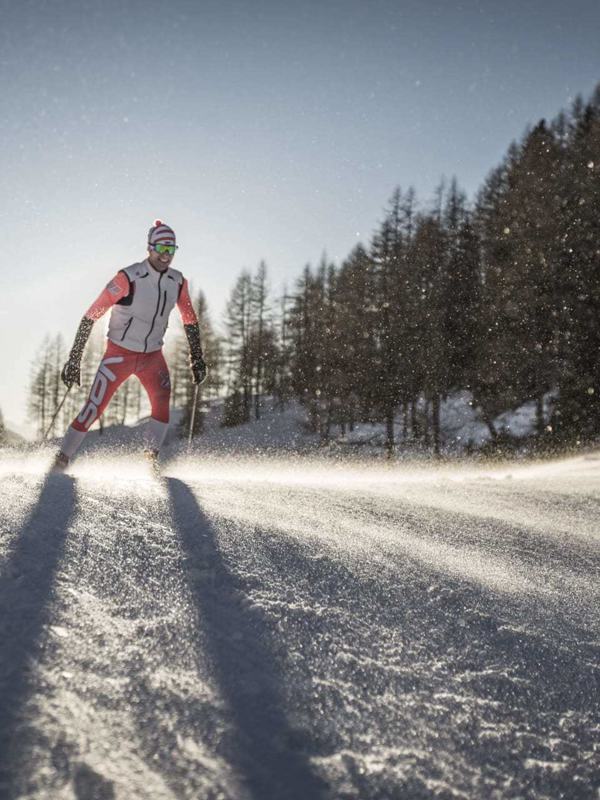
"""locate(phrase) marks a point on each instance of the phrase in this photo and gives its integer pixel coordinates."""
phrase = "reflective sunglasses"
(164, 248)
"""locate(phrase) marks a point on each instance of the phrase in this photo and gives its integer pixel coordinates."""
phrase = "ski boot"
(60, 463)
(151, 457)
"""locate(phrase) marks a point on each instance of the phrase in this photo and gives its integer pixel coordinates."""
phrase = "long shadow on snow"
(25, 609)
(263, 749)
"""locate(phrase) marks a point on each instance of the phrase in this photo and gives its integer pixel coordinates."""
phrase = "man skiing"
(141, 297)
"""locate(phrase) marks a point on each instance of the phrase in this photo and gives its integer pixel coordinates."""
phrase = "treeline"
(499, 297)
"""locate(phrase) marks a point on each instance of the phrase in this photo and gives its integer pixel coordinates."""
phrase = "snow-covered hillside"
(462, 429)
(291, 628)
(287, 430)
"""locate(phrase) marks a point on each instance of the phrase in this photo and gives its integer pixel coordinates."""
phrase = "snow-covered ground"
(462, 429)
(295, 628)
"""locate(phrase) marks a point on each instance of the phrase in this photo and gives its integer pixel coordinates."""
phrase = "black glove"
(197, 364)
(199, 370)
(71, 372)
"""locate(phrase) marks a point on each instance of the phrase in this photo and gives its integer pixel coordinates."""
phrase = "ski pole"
(193, 419)
(56, 413)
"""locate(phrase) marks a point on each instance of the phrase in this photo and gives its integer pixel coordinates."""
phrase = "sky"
(258, 129)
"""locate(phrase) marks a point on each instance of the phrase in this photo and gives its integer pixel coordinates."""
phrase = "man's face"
(160, 261)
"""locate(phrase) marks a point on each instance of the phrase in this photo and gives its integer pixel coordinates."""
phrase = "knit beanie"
(160, 233)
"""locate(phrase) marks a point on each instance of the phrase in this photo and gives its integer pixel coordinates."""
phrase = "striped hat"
(160, 233)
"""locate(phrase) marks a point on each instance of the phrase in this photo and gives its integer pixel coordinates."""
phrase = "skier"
(141, 297)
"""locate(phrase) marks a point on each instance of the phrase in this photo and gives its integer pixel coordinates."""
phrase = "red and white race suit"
(141, 299)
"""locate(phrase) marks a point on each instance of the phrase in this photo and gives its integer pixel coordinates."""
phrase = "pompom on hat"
(161, 233)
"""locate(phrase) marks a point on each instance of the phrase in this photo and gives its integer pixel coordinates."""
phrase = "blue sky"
(257, 130)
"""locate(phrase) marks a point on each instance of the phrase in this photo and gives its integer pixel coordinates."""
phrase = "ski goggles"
(164, 248)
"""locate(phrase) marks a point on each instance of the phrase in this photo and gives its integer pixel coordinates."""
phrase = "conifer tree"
(577, 415)
(355, 321)
(238, 324)
(45, 387)
(304, 324)
(282, 365)
(260, 333)
(521, 282)
(430, 263)
(493, 391)
(462, 290)
(463, 306)
(384, 254)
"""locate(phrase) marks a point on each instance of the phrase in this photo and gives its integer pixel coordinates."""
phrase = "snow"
(460, 420)
(293, 627)
(277, 430)
(287, 431)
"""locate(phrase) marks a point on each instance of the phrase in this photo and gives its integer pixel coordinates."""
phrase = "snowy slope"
(461, 428)
(296, 629)
(287, 431)
(275, 431)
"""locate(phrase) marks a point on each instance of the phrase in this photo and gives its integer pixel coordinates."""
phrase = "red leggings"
(116, 366)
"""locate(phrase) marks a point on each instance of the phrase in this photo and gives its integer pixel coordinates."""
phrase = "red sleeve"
(114, 291)
(184, 304)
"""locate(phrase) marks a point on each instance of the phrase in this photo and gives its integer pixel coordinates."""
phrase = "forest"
(499, 296)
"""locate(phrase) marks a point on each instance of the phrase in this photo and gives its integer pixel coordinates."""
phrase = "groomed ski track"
(263, 629)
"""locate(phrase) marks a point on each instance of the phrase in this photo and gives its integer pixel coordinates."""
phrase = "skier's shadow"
(26, 580)
(264, 750)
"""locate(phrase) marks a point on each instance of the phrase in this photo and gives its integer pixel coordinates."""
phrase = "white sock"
(155, 433)
(71, 441)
